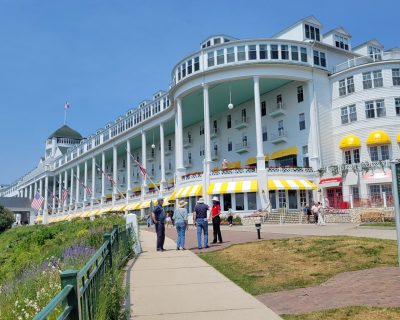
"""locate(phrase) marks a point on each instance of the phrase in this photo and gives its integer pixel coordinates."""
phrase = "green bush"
(6, 219)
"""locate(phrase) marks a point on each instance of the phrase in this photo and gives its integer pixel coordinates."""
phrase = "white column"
(115, 164)
(103, 182)
(179, 137)
(71, 193)
(144, 159)
(46, 188)
(314, 134)
(41, 187)
(30, 192)
(207, 142)
(54, 195)
(59, 189)
(93, 180)
(259, 139)
(26, 192)
(65, 185)
(35, 188)
(128, 169)
(85, 183)
(162, 160)
(78, 184)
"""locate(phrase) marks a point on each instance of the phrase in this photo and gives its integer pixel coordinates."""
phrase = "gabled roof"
(339, 30)
(65, 132)
(374, 42)
(310, 19)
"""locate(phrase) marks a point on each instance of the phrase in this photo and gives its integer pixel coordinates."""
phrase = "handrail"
(80, 289)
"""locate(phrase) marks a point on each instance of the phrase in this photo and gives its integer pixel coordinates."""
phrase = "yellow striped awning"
(146, 204)
(283, 153)
(108, 196)
(233, 187)
(104, 210)
(191, 191)
(172, 180)
(168, 199)
(299, 184)
(172, 197)
(253, 160)
(136, 189)
(133, 206)
(118, 208)
(398, 138)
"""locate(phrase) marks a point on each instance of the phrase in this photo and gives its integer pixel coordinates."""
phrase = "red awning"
(330, 182)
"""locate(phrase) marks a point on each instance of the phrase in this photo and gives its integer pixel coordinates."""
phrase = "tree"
(6, 219)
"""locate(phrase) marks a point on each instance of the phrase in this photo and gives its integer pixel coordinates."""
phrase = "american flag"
(66, 105)
(37, 202)
(113, 183)
(54, 196)
(143, 170)
(87, 188)
(64, 196)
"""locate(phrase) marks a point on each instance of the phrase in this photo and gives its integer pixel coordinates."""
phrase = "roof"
(340, 30)
(374, 41)
(310, 19)
(15, 203)
(65, 132)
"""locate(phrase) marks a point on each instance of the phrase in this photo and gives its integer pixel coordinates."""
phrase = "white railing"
(229, 172)
(242, 121)
(280, 134)
(289, 170)
(193, 176)
(364, 60)
(242, 146)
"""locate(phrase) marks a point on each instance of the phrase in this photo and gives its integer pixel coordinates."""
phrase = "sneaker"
(199, 248)
(207, 246)
(177, 248)
(180, 248)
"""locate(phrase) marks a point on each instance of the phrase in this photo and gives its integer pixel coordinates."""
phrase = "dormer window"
(375, 53)
(217, 41)
(341, 42)
(312, 32)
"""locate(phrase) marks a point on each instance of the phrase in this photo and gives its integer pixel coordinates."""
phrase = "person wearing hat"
(181, 224)
(158, 216)
(201, 222)
(216, 219)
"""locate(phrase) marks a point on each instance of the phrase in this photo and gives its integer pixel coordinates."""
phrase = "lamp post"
(258, 228)
(395, 166)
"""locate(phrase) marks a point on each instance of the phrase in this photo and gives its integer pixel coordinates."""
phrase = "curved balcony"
(240, 52)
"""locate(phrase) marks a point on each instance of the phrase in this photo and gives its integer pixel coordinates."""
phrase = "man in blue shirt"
(158, 216)
(200, 220)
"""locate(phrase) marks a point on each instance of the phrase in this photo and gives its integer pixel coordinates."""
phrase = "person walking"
(181, 223)
(321, 214)
(201, 222)
(314, 210)
(307, 212)
(230, 217)
(216, 220)
(158, 216)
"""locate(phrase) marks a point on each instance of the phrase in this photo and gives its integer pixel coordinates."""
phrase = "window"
(217, 41)
(263, 108)
(341, 42)
(303, 197)
(344, 115)
(350, 85)
(183, 66)
(312, 33)
(227, 201)
(342, 87)
(220, 57)
(295, 53)
(228, 121)
(306, 162)
(302, 121)
(355, 193)
(282, 198)
(280, 128)
(279, 101)
(380, 108)
(263, 52)
(378, 80)
(300, 95)
(272, 199)
(348, 114)
(274, 51)
(251, 201)
(229, 145)
(241, 53)
(196, 64)
(230, 55)
(396, 77)
(352, 156)
(189, 66)
(319, 58)
(397, 104)
(316, 57)
(353, 113)
(252, 52)
(210, 59)
(303, 54)
(239, 201)
(201, 129)
(369, 110)
(284, 52)
(373, 153)
(264, 134)
(367, 80)
(375, 53)
(384, 152)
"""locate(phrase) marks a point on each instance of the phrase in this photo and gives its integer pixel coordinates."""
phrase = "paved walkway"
(378, 287)
(179, 285)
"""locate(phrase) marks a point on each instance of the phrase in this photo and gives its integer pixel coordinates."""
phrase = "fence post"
(70, 277)
(107, 237)
(384, 199)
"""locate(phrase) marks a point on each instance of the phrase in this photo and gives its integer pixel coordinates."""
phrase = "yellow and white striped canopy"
(133, 206)
(191, 191)
(233, 187)
(299, 184)
(118, 208)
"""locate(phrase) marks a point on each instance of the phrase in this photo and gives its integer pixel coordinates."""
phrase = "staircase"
(285, 216)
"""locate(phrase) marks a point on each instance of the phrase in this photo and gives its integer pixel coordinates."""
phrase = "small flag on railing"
(64, 196)
(113, 183)
(143, 170)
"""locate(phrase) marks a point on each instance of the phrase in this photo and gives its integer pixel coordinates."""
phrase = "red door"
(335, 197)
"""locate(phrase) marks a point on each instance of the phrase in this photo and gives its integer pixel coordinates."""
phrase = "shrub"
(6, 219)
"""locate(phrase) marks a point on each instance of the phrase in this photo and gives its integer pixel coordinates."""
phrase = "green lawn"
(276, 265)
(379, 224)
(349, 313)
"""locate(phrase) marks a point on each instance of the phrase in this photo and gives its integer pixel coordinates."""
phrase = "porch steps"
(286, 217)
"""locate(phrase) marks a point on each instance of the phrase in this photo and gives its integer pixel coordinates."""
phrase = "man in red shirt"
(216, 219)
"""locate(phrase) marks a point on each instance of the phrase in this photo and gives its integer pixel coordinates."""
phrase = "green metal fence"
(80, 289)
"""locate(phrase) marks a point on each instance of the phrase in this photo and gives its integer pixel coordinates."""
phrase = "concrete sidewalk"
(179, 285)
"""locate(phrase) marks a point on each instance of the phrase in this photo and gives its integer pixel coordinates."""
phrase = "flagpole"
(65, 116)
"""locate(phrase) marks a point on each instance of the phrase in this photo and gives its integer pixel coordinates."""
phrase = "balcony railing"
(280, 137)
(289, 170)
(214, 155)
(214, 132)
(192, 176)
(278, 111)
(242, 147)
(230, 172)
(187, 143)
(364, 60)
(242, 123)
(187, 163)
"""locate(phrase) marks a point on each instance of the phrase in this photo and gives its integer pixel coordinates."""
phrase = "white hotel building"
(299, 116)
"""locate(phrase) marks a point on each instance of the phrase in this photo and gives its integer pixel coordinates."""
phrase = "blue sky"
(106, 56)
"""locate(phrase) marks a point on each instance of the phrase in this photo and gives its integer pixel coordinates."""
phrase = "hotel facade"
(261, 123)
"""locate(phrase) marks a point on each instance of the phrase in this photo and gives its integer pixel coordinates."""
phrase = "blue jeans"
(202, 226)
(181, 230)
